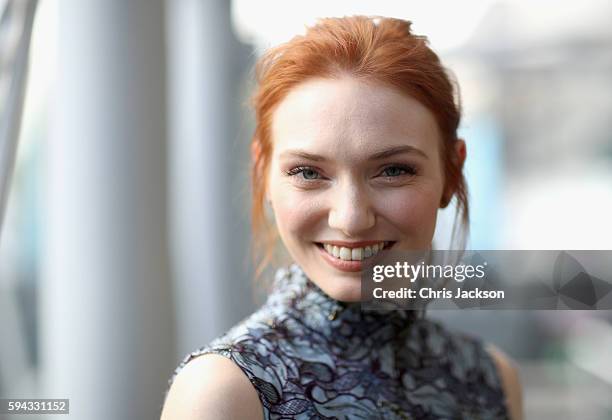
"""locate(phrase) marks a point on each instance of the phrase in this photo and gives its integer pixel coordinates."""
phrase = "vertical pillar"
(14, 52)
(209, 170)
(106, 315)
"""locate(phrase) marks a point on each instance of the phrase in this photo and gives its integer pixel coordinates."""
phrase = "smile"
(354, 253)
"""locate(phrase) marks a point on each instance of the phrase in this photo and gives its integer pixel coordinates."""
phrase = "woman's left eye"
(398, 170)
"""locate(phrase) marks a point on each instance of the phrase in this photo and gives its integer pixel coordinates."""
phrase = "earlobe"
(460, 152)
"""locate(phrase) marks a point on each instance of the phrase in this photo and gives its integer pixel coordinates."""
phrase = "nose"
(351, 210)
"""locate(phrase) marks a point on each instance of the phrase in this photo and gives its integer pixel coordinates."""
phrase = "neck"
(324, 315)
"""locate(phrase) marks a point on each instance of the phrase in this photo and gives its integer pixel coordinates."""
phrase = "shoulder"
(210, 381)
(211, 386)
(509, 374)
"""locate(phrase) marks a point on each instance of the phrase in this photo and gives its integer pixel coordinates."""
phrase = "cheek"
(295, 212)
(413, 211)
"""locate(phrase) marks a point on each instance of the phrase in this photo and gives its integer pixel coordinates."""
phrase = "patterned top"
(312, 357)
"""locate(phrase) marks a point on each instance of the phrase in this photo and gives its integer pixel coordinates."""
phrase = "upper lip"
(357, 244)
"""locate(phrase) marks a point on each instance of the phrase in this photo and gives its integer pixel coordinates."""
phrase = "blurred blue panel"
(484, 172)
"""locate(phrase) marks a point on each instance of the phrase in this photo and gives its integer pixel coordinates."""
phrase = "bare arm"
(510, 382)
(212, 387)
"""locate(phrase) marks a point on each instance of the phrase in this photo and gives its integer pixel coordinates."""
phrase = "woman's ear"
(459, 156)
(460, 153)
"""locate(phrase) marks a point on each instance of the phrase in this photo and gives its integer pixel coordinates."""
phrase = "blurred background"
(125, 240)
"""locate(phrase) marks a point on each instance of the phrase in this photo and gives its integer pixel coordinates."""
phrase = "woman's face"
(355, 168)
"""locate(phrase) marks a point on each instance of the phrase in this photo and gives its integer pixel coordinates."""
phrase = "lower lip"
(342, 265)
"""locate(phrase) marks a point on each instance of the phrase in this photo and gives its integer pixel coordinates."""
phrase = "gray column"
(209, 170)
(16, 26)
(106, 315)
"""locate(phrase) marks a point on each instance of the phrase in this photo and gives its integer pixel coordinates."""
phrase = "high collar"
(304, 300)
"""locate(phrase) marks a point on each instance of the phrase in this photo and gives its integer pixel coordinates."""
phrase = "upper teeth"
(355, 254)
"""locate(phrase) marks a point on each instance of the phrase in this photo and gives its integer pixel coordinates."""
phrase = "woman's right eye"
(306, 172)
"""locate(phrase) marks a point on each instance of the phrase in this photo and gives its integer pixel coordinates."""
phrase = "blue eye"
(310, 174)
(398, 170)
(307, 172)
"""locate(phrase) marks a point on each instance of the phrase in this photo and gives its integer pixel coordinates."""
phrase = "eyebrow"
(376, 156)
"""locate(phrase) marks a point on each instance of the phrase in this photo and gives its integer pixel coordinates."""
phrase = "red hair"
(374, 49)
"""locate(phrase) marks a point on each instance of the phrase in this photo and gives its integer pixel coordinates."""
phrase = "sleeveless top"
(309, 356)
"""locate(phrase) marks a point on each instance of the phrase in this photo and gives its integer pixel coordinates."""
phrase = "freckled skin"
(352, 198)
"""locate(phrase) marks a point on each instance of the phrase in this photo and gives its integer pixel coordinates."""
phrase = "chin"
(345, 289)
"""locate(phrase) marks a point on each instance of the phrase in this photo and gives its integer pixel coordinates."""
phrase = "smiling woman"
(355, 150)
(354, 163)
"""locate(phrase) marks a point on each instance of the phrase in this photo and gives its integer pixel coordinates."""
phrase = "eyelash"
(300, 170)
(408, 169)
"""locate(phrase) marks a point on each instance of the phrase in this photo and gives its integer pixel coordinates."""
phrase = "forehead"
(350, 116)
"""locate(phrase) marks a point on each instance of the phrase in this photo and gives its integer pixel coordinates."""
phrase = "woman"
(355, 150)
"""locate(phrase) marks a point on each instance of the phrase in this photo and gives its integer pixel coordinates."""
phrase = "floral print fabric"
(312, 357)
